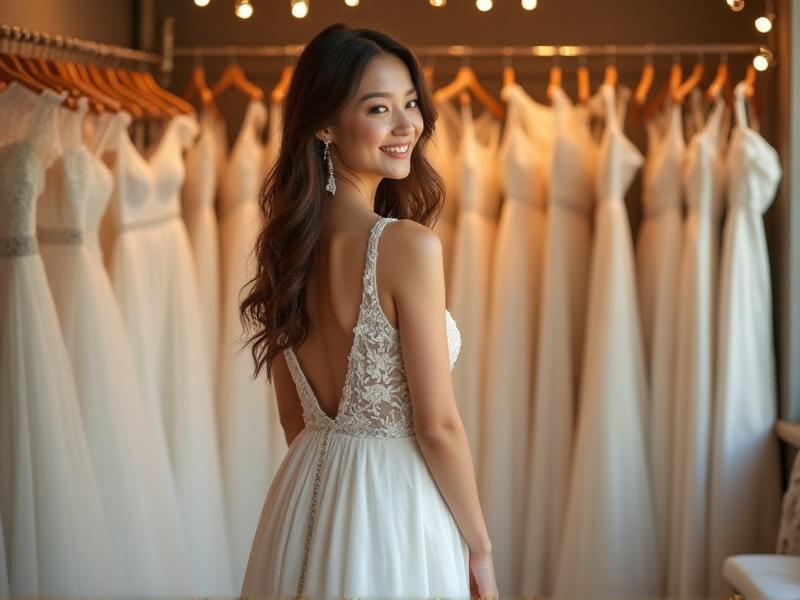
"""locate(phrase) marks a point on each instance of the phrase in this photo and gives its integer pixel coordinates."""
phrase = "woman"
(377, 494)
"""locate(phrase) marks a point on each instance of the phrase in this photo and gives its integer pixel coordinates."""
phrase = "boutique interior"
(621, 242)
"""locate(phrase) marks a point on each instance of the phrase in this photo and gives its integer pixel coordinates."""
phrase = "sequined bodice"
(375, 401)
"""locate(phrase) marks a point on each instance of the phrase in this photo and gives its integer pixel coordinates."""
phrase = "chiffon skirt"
(382, 528)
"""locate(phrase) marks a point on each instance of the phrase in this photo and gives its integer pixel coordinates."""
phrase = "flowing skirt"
(380, 529)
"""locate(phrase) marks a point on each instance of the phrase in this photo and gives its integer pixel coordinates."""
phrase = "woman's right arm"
(419, 294)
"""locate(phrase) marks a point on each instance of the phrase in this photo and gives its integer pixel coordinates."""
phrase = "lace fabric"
(375, 401)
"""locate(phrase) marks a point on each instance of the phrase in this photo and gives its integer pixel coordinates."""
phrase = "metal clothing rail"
(22, 37)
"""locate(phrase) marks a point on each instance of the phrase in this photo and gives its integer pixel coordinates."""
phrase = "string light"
(351, 2)
(529, 4)
(736, 5)
(243, 9)
(484, 5)
(201, 2)
(764, 23)
(763, 59)
(299, 8)
(438, 3)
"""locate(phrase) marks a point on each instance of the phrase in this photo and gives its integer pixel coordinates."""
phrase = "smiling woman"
(376, 496)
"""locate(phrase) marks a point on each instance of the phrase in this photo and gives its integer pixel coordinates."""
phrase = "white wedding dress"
(745, 467)
(562, 310)
(246, 406)
(57, 541)
(511, 336)
(131, 463)
(199, 215)
(353, 510)
(703, 179)
(657, 257)
(443, 155)
(471, 268)
(608, 547)
(156, 286)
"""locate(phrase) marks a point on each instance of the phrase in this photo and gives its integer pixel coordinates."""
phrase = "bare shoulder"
(411, 253)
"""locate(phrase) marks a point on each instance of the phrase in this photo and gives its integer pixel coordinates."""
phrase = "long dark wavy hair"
(292, 201)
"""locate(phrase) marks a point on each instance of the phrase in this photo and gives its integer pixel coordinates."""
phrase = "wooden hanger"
(584, 85)
(234, 76)
(147, 81)
(107, 76)
(681, 91)
(9, 73)
(666, 91)
(750, 80)
(645, 82)
(611, 75)
(427, 73)
(466, 81)
(115, 100)
(555, 78)
(282, 87)
(715, 89)
(509, 76)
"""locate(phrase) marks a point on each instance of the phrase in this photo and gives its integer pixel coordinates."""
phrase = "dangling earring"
(326, 156)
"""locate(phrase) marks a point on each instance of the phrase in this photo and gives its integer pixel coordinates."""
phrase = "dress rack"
(12, 36)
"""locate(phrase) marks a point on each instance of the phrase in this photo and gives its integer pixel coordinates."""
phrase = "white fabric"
(657, 256)
(442, 153)
(470, 274)
(199, 215)
(511, 333)
(353, 510)
(56, 537)
(703, 179)
(565, 268)
(156, 286)
(608, 547)
(130, 458)
(745, 475)
(764, 576)
(246, 406)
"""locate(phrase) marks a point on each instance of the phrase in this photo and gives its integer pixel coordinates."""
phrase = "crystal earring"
(330, 186)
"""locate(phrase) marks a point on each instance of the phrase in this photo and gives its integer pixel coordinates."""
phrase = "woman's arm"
(419, 294)
(290, 409)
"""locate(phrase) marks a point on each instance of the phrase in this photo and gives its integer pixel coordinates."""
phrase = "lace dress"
(56, 536)
(353, 509)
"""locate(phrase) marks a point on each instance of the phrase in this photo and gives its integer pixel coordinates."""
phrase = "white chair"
(767, 576)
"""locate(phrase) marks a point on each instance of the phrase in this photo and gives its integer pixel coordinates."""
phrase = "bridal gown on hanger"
(470, 272)
(199, 215)
(130, 461)
(657, 256)
(745, 468)
(156, 286)
(562, 310)
(523, 157)
(353, 510)
(703, 180)
(607, 547)
(245, 405)
(57, 541)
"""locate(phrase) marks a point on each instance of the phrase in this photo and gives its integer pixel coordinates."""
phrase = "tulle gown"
(197, 201)
(608, 547)
(562, 310)
(353, 510)
(512, 328)
(57, 541)
(745, 471)
(703, 179)
(245, 405)
(657, 257)
(471, 269)
(131, 462)
(156, 286)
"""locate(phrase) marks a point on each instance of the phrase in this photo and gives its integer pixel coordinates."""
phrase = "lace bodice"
(375, 401)
(29, 142)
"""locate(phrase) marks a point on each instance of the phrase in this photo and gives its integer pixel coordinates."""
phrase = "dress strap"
(370, 284)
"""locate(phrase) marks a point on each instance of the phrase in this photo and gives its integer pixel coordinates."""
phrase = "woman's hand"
(481, 576)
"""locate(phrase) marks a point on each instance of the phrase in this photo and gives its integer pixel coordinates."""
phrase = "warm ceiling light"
(201, 2)
(243, 9)
(484, 5)
(764, 24)
(763, 60)
(438, 2)
(351, 2)
(736, 5)
(299, 8)
(529, 4)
